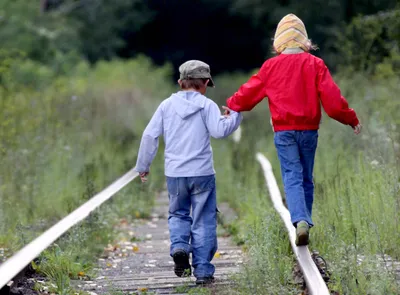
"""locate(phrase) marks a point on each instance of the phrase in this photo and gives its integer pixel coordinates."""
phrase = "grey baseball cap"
(195, 69)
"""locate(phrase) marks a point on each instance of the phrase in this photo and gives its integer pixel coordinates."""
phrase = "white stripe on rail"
(10, 268)
(314, 281)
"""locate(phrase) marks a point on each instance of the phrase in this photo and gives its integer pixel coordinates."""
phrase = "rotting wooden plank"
(154, 282)
(150, 265)
(216, 262)
(192, 284)
(312, 276)
(148, 251)
(166, 274)
(159, 287)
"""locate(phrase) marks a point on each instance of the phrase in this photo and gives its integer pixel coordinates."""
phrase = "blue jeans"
(197, 233)
(296, 152)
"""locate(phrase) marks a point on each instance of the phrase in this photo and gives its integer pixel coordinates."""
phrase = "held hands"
(143, 176)
(227, 111)
(357, 129)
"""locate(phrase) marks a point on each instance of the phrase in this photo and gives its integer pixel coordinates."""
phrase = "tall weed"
(356, 198)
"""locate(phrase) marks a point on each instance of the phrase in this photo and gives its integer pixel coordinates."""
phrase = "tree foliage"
(40, 36)
(372, 43)
(228, 34)
(105, 25)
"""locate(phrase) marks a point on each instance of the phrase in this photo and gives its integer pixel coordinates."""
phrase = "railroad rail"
(314, 281)
(14, 265)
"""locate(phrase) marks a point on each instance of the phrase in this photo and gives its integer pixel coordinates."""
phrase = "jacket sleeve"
(149, 143)
(219, 126)
(334, 104)
(250, 93)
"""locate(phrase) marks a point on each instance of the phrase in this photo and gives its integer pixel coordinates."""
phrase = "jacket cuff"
(230, 105)
(140, 169)
(355, 123)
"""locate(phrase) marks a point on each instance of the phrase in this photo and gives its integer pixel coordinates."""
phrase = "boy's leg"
(308, 147)
(292, 172)
(204, 228)
(179, 220)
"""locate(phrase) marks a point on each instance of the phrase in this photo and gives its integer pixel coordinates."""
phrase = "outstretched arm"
(334, 104)
(149, 144)
(221, 126)
(249, 94)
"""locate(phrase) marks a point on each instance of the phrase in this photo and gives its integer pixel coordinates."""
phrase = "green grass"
(356, 209)
(64, 141)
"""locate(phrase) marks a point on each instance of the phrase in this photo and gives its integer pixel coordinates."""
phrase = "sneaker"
(302, 233)
(205, 280)
(182, 266)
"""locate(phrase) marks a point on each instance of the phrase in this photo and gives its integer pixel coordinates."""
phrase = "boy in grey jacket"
(187, 120)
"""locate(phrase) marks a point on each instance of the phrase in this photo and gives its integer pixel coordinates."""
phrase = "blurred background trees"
(79, 80)
(231, 35)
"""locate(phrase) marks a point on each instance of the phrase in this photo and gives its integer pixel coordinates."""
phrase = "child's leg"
(292, 172)
(179, 220)
(308, 146)
(204, 228)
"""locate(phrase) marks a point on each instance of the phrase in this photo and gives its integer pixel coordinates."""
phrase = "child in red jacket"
(296, 84)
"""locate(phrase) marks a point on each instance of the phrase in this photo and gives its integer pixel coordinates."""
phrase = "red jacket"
(295, 84)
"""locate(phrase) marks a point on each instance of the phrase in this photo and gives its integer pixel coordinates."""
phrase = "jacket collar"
(295, 50)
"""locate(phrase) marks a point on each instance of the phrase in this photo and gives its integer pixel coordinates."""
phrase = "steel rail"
(312, 276)
(15, 264)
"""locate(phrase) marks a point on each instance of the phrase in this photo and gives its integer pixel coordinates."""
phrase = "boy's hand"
(227, 111)
(143, 176)
(357, 129)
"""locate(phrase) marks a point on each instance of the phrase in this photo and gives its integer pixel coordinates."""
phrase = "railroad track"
(14, 265)
(315, 283)
(145, 265)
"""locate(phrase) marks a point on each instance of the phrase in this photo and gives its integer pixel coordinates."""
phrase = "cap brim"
(210, 82)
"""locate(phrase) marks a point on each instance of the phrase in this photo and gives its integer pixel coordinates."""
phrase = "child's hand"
(143, 176)
(357, 129)
(227, 111)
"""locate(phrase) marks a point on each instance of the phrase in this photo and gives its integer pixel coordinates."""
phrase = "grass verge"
(356, 200)
(64, 141)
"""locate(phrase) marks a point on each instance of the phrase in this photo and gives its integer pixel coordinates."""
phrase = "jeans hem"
(180, 247)
(310, 223)
(196, 275)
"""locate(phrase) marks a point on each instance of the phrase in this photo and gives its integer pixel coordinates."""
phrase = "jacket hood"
(291, 33)
(186, 103)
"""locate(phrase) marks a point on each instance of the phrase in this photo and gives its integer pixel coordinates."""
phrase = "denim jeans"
(196, 233)
(296, 152)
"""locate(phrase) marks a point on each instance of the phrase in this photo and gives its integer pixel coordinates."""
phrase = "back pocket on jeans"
(203, 184)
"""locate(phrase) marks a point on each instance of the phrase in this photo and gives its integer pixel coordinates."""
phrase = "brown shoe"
(302, 233)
